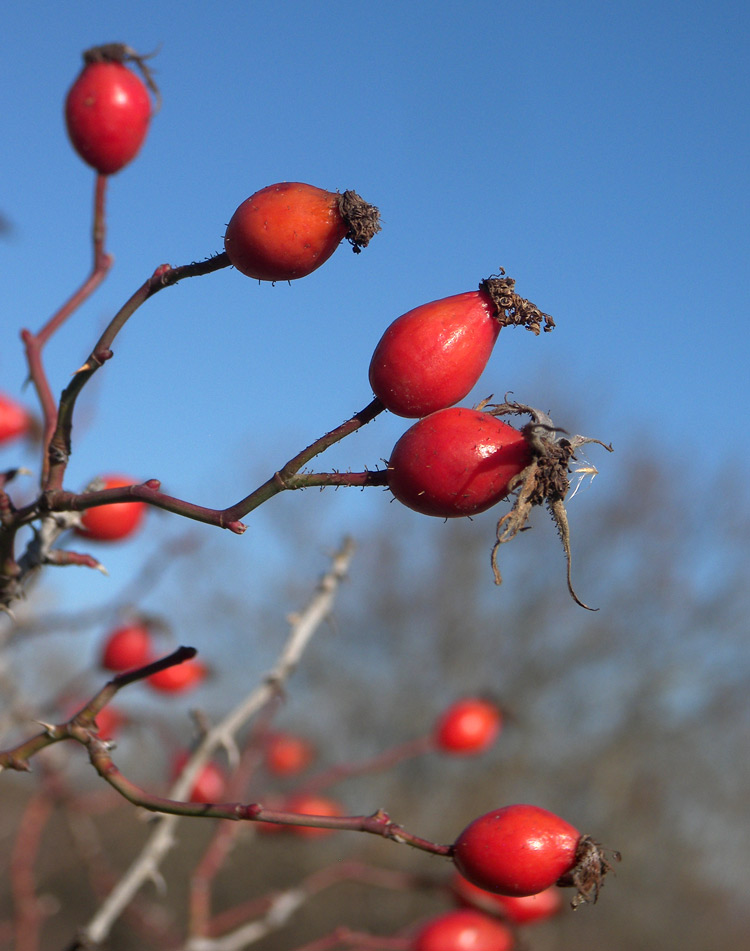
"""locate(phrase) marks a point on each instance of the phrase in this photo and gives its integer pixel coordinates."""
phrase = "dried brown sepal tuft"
(362, 220)
(587, 875)
(121, 53)
(544, 481)
(513, 310)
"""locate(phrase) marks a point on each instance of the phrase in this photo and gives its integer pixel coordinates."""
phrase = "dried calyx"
(511, 308)
(122, 53)
(362, 220)
(587, 875)
(544, 481)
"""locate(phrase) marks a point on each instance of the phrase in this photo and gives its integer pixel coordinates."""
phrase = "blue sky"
(598, 152)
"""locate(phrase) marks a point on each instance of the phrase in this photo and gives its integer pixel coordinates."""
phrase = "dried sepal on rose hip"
(460, 462)
(545, 480)
(431, 357)
(524, 849)
(286, 231)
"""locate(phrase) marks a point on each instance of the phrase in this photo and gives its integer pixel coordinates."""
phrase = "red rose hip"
(516, 850)
(430, 357)
(115, 521)
(287, 755)
(468, 726)
(127, 647)
(313, 805)
(518, 909)
(209, 784)
(456, 462)
(463, 930)
(108, 110)
(286, 231)
(14, 419)
(179, 677)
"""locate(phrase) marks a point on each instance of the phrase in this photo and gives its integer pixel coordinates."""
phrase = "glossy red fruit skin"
(519, 910)
(284, 231)
(111, 523)
(107, 114)
(179, 678)
(287, 755)
(468, 726)
(312, 805)
(516, 850)
(127, 647)
(209, 784)
(456, 462)
(432, 356)
(463, 930)
(14, 419)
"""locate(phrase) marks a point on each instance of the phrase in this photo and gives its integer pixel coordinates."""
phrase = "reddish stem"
(34, 343)
(344, 936)
(318, 881)
(383, 761)
(58, 500)
(27, 911)
(80, 726)
(379, 823)
(222, 841)
(163, 276)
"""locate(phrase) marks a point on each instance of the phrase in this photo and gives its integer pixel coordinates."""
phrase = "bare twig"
(27, 906)
(234, 930)
(146, 865)
(34, 343)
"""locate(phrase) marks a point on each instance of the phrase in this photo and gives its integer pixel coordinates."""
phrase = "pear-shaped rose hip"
(286, 231)
(430, 357)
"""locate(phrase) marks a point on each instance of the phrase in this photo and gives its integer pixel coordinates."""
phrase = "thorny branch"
(146, 865)
(57, 510)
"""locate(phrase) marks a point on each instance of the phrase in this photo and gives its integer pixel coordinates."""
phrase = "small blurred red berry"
(110, 523)
(312, 805)
(468, 726)
(519, 910)
(287, 754)
(14, 419)
(127, 647)
(209, 784)
(178, 678)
